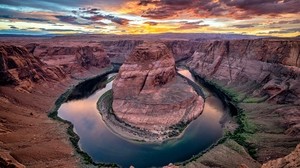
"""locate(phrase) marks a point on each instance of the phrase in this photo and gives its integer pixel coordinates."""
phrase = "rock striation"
(88, 56)
(73, 56)
(269, 67)
(148, 94)
(20, 68)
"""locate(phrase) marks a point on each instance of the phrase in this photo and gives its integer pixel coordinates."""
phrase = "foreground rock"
(290, 161)
(148, 95)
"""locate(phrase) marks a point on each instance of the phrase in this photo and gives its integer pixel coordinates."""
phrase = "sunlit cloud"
(270, 18)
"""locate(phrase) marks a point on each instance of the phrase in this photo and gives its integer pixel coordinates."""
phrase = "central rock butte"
(148, 94)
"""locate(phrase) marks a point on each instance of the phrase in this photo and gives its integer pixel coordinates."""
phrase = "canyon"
(261, 76)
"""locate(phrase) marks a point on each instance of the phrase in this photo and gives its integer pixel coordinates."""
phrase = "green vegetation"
(177, 129)
(246, 129)
(255, 99)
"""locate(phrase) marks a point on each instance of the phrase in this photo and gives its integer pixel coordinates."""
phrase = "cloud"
(70, 20)
(57, 30)
(115, 19)
(192, 25)
(259, 7)
(241, 26)
(284, 31)
(210, 8)
(24, 18)
(96, 15)
(151, 23)
(13, 27)
(296, 21)
(165, 8)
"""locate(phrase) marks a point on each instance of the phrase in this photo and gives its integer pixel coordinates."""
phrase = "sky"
(251, 17)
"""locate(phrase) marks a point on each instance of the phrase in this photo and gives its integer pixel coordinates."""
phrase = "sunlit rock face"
(148, 94)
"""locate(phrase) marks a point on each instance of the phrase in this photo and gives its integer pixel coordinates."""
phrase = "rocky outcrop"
(118, 50)
(6, 160)
(148, 94)
(20, 68)
(74, 57)
(182, 49)
(290, 161)
(88, 56)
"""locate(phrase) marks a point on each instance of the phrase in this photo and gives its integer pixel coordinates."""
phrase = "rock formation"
(263, 75)
(73, 56)
(88, 56)
(147, 93)
(290, 161)
(19, 67)
(270, 66)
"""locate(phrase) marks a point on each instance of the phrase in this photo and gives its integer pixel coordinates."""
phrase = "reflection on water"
(187, 74)
(104, 146)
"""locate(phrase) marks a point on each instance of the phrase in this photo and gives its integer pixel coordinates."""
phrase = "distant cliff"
(267, 67)
(20, 68)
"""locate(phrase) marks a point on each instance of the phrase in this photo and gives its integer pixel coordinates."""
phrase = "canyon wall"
(268, 68)
(20, 68)
(263, 76)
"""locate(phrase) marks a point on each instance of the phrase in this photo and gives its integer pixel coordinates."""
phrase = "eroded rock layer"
(19, 67)
(148, 94)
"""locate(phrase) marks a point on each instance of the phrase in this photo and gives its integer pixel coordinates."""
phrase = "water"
(102, 145)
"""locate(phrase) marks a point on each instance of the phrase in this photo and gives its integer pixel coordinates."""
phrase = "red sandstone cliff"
(20, 68)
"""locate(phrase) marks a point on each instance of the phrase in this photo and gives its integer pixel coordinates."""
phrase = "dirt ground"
(25, 126)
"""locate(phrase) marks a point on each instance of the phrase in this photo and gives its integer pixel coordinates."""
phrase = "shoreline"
(127, 131)
(73, 137)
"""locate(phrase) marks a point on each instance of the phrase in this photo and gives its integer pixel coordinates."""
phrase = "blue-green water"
(102, 145)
